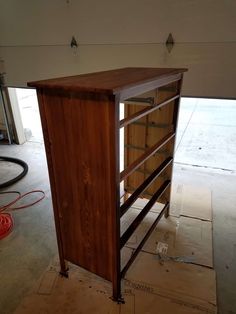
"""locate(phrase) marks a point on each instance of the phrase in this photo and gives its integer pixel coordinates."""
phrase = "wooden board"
(120, 81)
(79, 136)
(80, 118)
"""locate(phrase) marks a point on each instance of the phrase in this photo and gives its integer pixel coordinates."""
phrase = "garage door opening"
(205, 136)
(29, 110)
(25, 111)
(206, 133)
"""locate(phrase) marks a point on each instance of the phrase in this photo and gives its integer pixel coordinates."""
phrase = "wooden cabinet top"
(109, 82)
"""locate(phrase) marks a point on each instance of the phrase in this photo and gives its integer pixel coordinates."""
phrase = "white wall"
(35, 37)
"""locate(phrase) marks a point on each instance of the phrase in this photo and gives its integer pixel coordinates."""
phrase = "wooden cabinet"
(81, 126)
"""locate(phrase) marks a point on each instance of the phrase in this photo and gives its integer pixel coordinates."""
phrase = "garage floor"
(205, 156)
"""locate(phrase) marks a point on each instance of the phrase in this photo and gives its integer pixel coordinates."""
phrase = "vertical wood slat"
(52, 177)
(175, 118)
(115, 241)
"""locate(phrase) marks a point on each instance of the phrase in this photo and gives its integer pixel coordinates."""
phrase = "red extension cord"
(6, 220)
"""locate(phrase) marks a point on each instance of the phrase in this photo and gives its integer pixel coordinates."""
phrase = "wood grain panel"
(80, 119)
(119, 81)
(81, 139)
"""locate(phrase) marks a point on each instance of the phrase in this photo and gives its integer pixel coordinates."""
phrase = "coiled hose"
(20, 176)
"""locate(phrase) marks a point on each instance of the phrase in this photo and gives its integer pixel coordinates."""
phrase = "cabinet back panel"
(146, 132)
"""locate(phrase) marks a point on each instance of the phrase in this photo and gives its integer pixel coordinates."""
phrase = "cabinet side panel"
(58, 226)
(81, 133)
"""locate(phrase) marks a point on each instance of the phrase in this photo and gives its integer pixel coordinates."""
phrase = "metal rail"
(148, 153)
(138, 249)
(127, 234)
(137, 115)
(124, 207)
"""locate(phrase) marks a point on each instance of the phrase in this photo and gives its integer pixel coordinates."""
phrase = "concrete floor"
(27, 251)
(205, 156)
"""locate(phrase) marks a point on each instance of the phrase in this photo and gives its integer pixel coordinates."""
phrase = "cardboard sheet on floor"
(165, 277)
(183, 239)
(191, 201)
(149, 287)
(190, 286)
(186, 200)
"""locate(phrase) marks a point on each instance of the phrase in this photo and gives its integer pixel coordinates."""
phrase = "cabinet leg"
(117, 296)
(167, 212)
(64, 268)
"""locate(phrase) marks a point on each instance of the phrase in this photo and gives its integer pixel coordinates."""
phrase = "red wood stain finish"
(108, 82)
(81, 137)
(80, 120)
